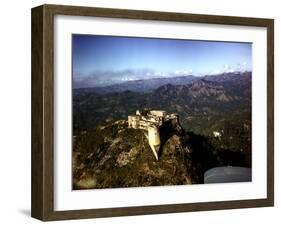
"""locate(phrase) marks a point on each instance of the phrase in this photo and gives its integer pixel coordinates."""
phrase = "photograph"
(160, 111)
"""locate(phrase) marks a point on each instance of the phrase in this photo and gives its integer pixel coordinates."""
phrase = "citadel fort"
(153, 122)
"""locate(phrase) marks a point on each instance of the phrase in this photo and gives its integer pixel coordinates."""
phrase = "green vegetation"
(215, 113)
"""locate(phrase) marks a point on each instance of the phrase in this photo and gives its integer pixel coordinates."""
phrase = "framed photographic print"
(141, 112)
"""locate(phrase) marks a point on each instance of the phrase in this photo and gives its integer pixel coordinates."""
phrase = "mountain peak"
(124, 159)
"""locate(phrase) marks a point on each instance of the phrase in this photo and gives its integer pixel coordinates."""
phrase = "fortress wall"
(151, 122)
(153, 136)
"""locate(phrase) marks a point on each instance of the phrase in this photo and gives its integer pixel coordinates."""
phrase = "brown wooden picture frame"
(42, 203)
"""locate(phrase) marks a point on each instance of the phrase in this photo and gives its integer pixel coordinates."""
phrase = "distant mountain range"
(141, 85)
(148, 85)
(195, 99)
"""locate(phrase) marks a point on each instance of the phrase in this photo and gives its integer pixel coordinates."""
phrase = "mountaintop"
(112, 155)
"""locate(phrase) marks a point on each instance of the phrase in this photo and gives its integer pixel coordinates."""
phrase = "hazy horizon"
(107, 60)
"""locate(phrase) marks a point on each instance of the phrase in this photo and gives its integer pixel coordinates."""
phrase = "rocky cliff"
(113, 155)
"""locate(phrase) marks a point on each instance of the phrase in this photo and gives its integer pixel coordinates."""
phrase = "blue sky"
(105, 60)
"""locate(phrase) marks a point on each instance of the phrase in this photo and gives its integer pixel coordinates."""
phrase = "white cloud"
(216, 72)
(182, 72)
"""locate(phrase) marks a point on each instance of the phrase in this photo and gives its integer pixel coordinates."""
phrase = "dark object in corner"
(228, 174)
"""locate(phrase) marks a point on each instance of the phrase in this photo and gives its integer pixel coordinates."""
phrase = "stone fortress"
(151, 121)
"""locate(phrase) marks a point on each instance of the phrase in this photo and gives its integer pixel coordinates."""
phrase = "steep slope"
(114, 156)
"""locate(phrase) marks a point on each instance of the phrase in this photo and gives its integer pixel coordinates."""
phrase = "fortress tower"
(151, 122)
